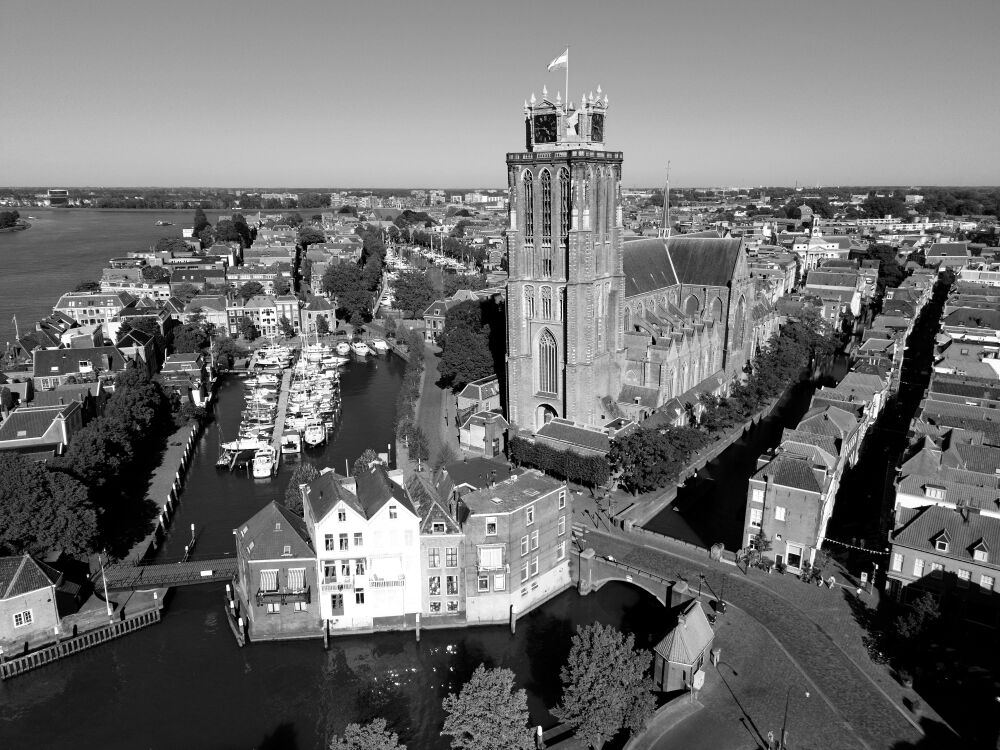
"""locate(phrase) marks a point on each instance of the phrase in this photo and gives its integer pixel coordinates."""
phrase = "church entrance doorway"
(544, 415)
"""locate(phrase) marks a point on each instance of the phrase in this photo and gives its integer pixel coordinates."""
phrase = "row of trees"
(407, 429)
(354, 285)
(92, 497)
(9, 219)
(472, 343)
(606, 689)
(651, 458)
(591, 471)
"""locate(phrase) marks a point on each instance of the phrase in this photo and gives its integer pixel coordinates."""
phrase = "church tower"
(566, 286)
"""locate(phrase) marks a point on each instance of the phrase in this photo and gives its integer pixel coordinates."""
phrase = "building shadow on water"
(282, 738)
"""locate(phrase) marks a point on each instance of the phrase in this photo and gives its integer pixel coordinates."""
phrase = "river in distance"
(184, 683)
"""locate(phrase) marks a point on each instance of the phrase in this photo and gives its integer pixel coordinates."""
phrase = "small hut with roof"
(682, 651)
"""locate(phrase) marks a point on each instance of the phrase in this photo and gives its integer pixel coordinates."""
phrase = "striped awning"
(269, 580)
(296, 579)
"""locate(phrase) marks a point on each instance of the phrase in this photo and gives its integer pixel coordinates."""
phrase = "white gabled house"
(366, 533)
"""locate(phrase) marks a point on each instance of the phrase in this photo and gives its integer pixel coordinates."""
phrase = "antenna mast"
(666, 204)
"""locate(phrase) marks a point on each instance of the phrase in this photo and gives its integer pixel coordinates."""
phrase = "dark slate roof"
(790, 471)
(919, 528)
(33, 420)
(647, 266)
(973, 318)
(429, 507)
(512, 494)
(69, 392)
(375, 489)
(949, 249)
(273, 528)
(705, 262)
(475, 472)
(23, 574)
(965, 387)
(49, 362)
(832, 278)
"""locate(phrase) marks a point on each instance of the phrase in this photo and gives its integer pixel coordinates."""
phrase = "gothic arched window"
(546, 302)
(548, 364)
(566, 207)
(529, 208)
(529, 301)
(628, 319)
(546, 179)
(691, 306)
(561, 312)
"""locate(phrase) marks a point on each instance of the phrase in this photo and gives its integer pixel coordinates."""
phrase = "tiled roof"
(948, 249)
(689, 638)
(790, 471)
(475, 472)
(23, 574)
(973, 318)
(971, 388)
(273, 528)
(828, 421)
(375, 489)
(481, 389)
(575, 435)
(641, 395)
(919, 528)
(33, 421)
(825, 442)
(429, 506)
(986, 498)
(832, 278)
(50, 362)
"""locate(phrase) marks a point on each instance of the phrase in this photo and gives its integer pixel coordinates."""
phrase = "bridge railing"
(632, 569)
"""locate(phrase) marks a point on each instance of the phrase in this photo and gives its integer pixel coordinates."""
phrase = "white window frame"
(964, 576)
(756, 517)
(482, 583)
(980, 555)
(779, 512)
(534, 565)
(561, 526)
(986, 582)
(757, 495)
(562, 499)
(560, 550)
(23, 618)
(897, 562)
(918, 567)
(524, 545)
(274, 608)
(491, 521)
(499, 581)
(529, 515)
(534, 539)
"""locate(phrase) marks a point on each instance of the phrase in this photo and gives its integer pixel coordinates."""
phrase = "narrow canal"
(710, 508)
(185, 683)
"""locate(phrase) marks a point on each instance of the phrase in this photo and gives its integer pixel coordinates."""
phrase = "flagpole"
(567, 79)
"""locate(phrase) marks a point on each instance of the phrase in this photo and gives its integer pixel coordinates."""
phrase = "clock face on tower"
(597, 127)
(545, 128)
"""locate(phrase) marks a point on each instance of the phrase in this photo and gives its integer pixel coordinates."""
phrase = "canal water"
(710, 508)
(185, 683)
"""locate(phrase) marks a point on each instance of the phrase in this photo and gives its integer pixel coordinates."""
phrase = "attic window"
(438, 527)
(245, 530)
(941, 543)
(286, 551)
(981, 552)
(934, 492)
(277, 525)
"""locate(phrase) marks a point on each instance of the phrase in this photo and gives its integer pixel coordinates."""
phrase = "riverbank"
(19, 227)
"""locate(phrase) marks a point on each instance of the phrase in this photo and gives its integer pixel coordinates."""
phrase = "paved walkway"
(868, 708)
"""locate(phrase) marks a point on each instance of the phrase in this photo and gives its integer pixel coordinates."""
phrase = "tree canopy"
(303, 473)
(171, 245)
(310, 236)
(465, 345)
(488, 714)
(346, 283)
(190, 337)
(605, 687)
(371, 736)
(413, 291)
(250, 289)
(43, 509)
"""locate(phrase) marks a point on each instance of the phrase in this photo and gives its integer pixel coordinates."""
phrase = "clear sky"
(380, 94)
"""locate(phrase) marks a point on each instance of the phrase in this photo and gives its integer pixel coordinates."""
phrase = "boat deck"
(279, 420)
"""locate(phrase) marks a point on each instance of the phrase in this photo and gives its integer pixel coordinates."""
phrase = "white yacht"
(380, 346)
(343, 348)
(264, 462)
(360, 348)
(315, 434)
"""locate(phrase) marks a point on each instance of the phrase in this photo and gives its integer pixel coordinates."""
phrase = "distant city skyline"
(314, 94)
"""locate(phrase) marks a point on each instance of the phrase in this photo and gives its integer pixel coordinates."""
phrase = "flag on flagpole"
(560, 62)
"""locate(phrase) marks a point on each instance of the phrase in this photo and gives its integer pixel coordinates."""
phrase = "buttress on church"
(599, 329)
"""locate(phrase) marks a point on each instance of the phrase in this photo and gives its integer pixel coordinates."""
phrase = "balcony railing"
(384, 583)
(284, 596)
(335, 585)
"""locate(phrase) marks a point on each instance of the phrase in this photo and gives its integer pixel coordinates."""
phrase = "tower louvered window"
(529, 209)
(547, 302)
(529, 302)
(546, 223)
(566, 208)
(548, 365)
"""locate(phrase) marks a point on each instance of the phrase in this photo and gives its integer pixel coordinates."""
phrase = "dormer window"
(286, 551)
(438, 527)
(934, 492)
(981, 553)
(941, 542)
